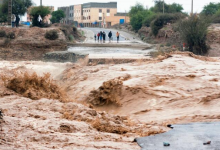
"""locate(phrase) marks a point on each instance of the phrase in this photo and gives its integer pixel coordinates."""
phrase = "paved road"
(128, 47)
(124, 37)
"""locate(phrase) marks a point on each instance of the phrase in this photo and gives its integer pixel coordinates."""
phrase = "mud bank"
(31, 44)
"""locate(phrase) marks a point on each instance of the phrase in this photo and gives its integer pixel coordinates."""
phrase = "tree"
(149, 17)
(137, 16)
(168, 8)
(175, 8)
(3, 17)
(158, 7)
(136, 21)
(57, 16)
(43, 11)
(19, 7)
(211, 9)
(135, 9)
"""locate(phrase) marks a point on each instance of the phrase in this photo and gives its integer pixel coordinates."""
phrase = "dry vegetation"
(33, 86)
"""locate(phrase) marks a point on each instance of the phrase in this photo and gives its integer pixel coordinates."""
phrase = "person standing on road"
(117, 35)
(110, 36)
(101, 34)
(95, 37)
(104, 35)
(17, 20)
(98, 36)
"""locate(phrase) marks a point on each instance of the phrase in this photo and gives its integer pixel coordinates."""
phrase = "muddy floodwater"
(103, 52)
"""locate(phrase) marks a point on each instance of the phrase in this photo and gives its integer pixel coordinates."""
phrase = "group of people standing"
(101, 36)
(15, 20)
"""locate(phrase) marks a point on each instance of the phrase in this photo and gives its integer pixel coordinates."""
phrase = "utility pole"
(192, 8)
(163, 6)
(40, 2)
(125, 16)
(9, 11)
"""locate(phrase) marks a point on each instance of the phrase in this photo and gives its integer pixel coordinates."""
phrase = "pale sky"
(124, 5)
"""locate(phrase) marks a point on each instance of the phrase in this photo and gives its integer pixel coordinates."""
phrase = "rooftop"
(100, 5)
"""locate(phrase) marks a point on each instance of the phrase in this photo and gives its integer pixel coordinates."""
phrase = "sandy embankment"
(179, 89)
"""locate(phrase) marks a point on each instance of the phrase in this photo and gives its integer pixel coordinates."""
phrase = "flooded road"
(129, 46)
(110, 52)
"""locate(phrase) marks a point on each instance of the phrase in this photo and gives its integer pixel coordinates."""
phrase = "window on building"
(108, 10)
(100, 18)
(89, 17)
(100, 10)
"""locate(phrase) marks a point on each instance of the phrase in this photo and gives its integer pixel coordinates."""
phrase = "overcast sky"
(124, 5)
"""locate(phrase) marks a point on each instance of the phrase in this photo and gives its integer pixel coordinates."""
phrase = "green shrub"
(2, 33)
(149, 18)
(162, 20)
(216, 17)
(193, 32)
(71, 37)
(168, 44)
(51, 35)
(11, 35)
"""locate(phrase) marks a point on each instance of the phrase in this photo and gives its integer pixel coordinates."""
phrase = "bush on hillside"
(11, 35)
(74, 29)
(193, 31)
(216, 17)
(2, 33)
(162, 20)
(148, 19)
(51, 35)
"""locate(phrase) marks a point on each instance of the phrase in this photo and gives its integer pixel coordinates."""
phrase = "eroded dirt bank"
(31, 44)
(120, 102)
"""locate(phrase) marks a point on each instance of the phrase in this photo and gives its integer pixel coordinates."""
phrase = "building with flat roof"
(66, 11)
(95, 14)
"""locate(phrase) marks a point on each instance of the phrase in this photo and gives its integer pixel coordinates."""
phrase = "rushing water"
(110, 52)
